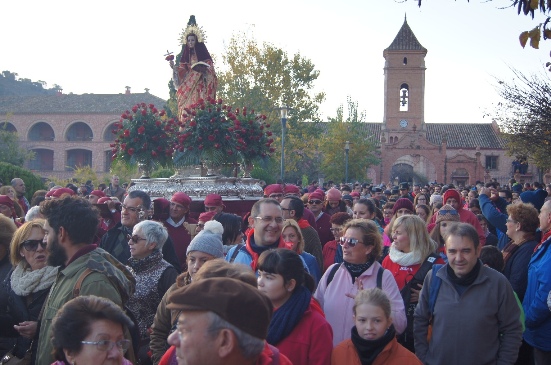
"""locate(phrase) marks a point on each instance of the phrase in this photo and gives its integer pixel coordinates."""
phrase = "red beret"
(59, 192)
(273, 189)
(181, 198)
(103, 200)
(355, 194)
(213, 200)
(206, 216)
(316, 195)
(292, 189)
(5, 200)
(98, 193)
(49, 193)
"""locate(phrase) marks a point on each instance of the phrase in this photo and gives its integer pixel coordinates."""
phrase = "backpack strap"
(380, 273)
(434, 288)
(425, 268)
(331, 275)
(76, 288)
(235, 252)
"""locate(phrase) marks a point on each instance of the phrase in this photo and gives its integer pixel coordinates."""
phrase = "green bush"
(32, 182)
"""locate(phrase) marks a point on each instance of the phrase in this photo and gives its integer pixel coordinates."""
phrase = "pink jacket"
(338, 307)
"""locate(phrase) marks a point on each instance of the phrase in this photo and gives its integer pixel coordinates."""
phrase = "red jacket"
(393, 354)
(329, 251)
(310, 342)
(403, 274)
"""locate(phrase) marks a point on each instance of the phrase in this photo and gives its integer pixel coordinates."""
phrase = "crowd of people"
(337, 274)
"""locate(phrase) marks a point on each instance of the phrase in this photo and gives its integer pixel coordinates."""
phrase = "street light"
(346, 151)
(283, 110)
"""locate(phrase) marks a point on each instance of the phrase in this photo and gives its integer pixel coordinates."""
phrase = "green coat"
(109, 279)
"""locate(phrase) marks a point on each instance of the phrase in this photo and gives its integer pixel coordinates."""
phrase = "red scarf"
(303, 223)
(543, 239)
(253, 254)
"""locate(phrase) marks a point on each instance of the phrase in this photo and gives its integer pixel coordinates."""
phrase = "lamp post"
(283, 110)
(346, 151)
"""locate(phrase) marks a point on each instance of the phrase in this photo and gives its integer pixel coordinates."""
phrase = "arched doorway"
(401, 172)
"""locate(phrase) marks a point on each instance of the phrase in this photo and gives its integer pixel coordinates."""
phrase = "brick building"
(66, 131)
(412, 149)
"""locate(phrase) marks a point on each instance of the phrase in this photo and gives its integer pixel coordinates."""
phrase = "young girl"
(373, 338)
(298, 328)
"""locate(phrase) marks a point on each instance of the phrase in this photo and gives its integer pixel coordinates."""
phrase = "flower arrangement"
(214, 132)
(144, 135)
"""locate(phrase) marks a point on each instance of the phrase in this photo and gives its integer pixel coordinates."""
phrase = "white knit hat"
(209, 240)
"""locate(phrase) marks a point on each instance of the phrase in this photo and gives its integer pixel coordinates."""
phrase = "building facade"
(412, 149)
(68, 131)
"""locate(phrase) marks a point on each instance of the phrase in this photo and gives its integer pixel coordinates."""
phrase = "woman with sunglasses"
(361, 245)
(29, 284)
(89, 330)
(153, 276)
(205, 246)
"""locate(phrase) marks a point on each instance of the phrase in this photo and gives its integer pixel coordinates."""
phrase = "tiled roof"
(458, 135)
(76, 104)
(405, 40)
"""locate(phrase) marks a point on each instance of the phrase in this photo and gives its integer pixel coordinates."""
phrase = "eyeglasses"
(350, 241)
(32, 245)
(278, 220)
(200, 225)
(106, 345)
(447, 211)
(314, 202)
(132, 209)
(509, 220)
(335, 230)
(135, 238)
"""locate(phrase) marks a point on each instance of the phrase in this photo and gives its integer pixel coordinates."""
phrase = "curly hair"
(526, 215)
(340, 218)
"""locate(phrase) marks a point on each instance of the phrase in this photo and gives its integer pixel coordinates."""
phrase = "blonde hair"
(370, 233)
(375, 297)
(419, 241)
(19, 237)
(293, 224)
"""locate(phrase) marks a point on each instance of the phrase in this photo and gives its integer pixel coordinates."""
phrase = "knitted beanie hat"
(447, 213)
(209, 240)
(403, 203)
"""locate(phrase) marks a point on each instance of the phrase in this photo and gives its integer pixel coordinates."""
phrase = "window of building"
(78, 158)
(41, 132)
(491, 162)
(79, 132)
(404, 97)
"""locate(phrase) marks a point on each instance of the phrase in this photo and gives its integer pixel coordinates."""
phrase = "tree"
(525, 116)
(263, 77)
(362, 148)
(10, 152)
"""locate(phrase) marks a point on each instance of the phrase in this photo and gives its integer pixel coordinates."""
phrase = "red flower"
(211, 137)
(268, 133)
(158, 123)
(217, 145)
(135, 108)
(130, 151)
(144, 112)
(200, 147)
(192, 123)
(127, 133)
(141, 130)
(154, 153)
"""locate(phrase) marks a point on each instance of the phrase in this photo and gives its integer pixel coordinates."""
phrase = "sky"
(102, 46)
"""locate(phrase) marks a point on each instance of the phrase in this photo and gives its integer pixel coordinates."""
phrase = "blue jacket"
(495, 213)
(538, 316)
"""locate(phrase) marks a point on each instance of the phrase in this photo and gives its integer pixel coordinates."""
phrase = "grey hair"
(33, 214)
(153, 232)
(249, 345)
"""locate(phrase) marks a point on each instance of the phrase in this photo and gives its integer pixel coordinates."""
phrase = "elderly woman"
(28, 285)
(362, 245)
(206, 246)
(153, 275)
(521, 228)
(90, 330)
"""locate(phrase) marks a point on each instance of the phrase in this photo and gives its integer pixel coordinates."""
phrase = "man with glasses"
(293, 208)
(266, 222)
(274, 191)
(180, 225)
(323, 224)
(135, 208)
(69, 242)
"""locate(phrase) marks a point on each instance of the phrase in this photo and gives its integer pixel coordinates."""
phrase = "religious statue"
(194, 77)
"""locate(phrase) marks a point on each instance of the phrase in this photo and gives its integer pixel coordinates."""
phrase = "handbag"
(11, 359)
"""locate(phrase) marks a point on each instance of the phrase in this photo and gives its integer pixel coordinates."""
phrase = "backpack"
(336, 267)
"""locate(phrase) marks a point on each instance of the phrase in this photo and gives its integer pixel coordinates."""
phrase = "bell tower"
(404, 108)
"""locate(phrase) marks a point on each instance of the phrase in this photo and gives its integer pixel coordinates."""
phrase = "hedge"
(32, 182)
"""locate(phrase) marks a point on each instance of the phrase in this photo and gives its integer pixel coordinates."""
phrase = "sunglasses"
(314, 201)
(350, 241)
(447, 211)
(32, 245)
(135, 238)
